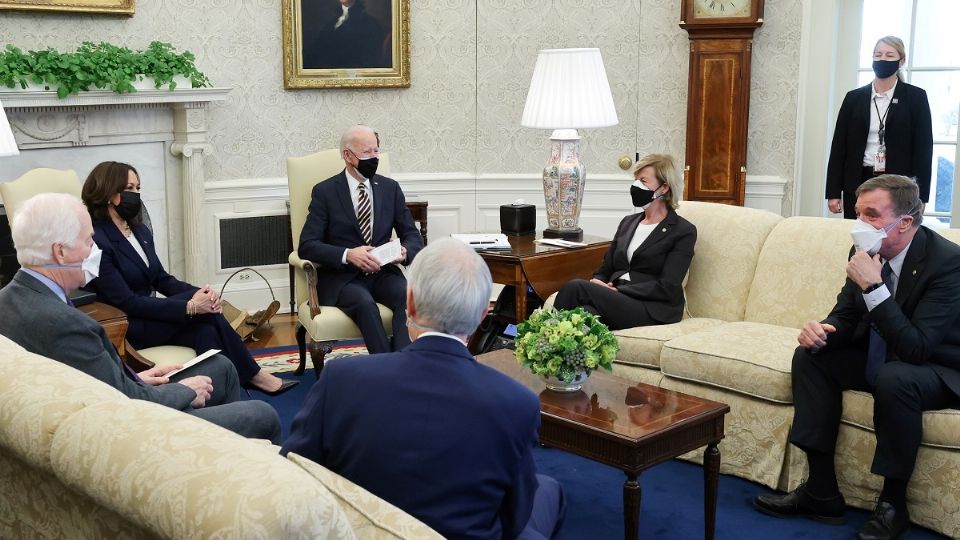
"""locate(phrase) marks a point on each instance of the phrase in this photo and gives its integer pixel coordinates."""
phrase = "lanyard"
(880, 130)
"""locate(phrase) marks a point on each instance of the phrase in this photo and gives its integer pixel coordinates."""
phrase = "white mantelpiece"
(177, 119)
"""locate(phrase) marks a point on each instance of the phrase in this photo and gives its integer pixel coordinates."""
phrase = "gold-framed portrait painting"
(346, 43)
(120, 7)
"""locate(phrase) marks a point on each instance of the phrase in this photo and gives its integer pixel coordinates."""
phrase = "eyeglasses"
(365, 155)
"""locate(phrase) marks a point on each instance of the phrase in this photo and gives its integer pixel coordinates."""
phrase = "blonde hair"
(665, 172)
(898, 46)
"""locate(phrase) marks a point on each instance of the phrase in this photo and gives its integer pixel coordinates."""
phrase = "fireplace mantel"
(177, 118)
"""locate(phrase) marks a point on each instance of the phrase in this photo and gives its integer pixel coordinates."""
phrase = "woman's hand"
(834, 205)
(205, 300)
(604, 283)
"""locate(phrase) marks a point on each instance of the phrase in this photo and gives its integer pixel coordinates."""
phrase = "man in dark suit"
(894, 332)
(350, 39)
(429, 429)
(349, 214)
(53, 236)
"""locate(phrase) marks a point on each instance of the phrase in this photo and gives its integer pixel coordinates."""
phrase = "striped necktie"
(363, 212)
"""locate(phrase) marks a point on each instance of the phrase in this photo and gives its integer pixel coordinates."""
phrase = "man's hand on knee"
(202, 386)
(361, 258)
(814, 334)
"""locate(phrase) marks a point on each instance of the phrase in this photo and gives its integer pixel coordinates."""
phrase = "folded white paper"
(480, 241)
(559, 242)
(387, 253)
(196, 360)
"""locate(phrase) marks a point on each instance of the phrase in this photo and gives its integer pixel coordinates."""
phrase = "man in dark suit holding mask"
(349, 214)
(894, 332)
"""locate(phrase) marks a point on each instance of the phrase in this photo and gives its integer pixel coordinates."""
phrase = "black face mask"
(366, 167)
(642, 197)
(885, 68)
(129, 206)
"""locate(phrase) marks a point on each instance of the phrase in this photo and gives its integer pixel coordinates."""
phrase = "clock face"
(721, 8)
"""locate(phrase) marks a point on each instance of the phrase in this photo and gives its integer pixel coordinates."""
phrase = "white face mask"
(90, 265)
(869, 238)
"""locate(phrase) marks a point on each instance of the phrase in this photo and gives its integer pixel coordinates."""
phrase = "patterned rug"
(286, 358)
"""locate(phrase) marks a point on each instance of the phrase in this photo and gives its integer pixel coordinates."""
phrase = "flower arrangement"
(98, 66)
(565, 343)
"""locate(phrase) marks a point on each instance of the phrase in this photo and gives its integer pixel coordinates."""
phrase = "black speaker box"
(518, 219)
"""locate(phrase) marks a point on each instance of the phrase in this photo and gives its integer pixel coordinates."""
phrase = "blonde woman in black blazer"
(908, 134)
(639, 281)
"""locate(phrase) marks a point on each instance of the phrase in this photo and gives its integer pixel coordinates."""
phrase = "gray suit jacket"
(36, 319)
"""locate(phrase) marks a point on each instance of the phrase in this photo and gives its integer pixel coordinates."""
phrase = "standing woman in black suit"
(883, 127)
(640, 280)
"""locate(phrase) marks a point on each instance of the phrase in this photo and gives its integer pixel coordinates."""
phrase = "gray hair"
(451, 286)
(352, 133)
(42, 221)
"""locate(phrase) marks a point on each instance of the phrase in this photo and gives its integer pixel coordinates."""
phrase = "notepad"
(193, 362)
(483, 241)
(387, 253)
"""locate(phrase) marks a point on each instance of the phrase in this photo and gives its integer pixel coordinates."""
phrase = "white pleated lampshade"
(569, 90)
(8, 145)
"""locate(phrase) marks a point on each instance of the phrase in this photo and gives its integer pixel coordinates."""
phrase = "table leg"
(631, 507)
(711, 476)
(521, 298)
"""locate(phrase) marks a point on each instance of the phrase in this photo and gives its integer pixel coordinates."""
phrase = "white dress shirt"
(883, 101)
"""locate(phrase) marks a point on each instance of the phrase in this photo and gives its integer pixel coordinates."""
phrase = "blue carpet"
(672, 503)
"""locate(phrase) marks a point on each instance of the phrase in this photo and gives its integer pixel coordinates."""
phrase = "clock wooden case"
(718, 96)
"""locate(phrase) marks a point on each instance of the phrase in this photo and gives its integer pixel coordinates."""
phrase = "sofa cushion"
(182, 477)
(799, 272)
(745, 357)
(36, 395)
(729, 239)
(939, 427)
(370, 516)
(641, 345)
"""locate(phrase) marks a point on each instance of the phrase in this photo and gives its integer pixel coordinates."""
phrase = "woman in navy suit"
(640, 280)
(883, 127)
(130, 274)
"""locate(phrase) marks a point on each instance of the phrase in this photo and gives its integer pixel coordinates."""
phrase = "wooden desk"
(627, 425)
(545, 268)
(112, 320)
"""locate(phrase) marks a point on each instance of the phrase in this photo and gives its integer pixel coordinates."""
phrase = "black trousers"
(903, 391)
(615, 309)
(850, 198)
(359, 298)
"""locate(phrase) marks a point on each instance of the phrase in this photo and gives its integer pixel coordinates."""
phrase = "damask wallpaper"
(471, 63)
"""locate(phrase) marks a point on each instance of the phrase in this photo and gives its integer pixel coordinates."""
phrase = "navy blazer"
(332, 226)
(127, 283)
(921, 325)
(908, 136)
(657, 267)
(430, 430)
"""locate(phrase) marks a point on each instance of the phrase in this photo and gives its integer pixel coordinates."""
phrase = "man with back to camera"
(53, 237)
(894, 332)
(349, 215)
(429, 429)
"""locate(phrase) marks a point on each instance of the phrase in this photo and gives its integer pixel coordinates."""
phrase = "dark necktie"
(877, 350)
(363, 212)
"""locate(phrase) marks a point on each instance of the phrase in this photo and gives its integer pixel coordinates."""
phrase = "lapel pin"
(895, 100)
(914, 272)
(663, 229)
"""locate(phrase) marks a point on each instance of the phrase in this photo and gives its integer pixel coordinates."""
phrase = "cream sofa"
(755, 279)
(80, 460)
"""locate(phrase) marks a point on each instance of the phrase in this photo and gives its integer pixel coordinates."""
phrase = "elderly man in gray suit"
(54, 239)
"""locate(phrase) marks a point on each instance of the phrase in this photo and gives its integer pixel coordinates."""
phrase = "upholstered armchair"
(325, 325)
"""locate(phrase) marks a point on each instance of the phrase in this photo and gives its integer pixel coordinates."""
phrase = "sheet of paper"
(481, 241)
(559, 242)
(388, 252)
(196, 360)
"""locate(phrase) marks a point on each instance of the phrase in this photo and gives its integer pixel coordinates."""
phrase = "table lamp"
(8, 145)
(569, 90)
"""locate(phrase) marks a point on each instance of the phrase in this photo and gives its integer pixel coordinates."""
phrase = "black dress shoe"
(284, 386)
(798, 503)
(886, 523)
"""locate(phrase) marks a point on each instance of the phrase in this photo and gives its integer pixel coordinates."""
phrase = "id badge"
(880, 161)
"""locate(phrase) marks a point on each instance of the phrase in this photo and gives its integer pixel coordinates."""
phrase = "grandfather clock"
(718, 96)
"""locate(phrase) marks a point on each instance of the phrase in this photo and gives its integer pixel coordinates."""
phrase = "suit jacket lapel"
(659, 233)
(624, 241)
(913, 265)
(380, 205)
(346, 201)
(122, 246)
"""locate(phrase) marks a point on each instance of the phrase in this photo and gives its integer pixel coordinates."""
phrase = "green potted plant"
(98, 66)
(564, 346)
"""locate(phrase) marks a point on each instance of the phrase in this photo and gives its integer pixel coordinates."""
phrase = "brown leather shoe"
(798, 503)
(886, 523)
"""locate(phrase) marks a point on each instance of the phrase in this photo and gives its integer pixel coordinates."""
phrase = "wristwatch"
(871, 288)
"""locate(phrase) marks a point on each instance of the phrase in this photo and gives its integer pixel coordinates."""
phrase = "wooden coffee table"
(630, 426)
